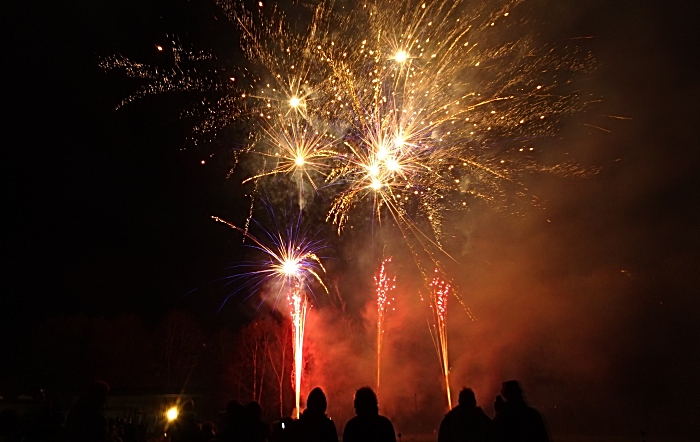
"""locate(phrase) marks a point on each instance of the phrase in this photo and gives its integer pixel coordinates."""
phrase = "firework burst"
(291, 264)
(411, 106)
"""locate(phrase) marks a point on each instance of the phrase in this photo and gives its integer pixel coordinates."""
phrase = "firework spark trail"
(299, 304)
(384, 285)
(439, 293)
(291, 262)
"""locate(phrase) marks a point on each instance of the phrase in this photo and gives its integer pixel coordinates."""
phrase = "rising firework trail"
(292, 263)
(439, 292)
(384, 285)
(299, 306)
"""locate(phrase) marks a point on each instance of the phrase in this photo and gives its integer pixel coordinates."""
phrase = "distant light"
(401, 56)
(376, 184)
(294, 101)
(299, 161)
(203, 162)
(260, 4)
(171, 414)
(159, 47)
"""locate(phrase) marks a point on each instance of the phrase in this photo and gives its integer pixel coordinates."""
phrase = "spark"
(290, 268)
(439, 293)
(401, 56)
(384, 285)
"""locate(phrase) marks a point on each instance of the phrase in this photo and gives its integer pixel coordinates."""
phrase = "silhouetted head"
(366, 402)
(467, 398)
(511, 391)
(253, 411)
(499, 405)
(97, 392)
(316, 402)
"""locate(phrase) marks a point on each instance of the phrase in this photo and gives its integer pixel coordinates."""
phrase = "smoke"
(543, 308)
(588, 302)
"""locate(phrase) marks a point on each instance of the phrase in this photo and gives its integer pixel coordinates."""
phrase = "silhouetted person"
(86, 421)
(232, 424)
(253, 429)
(466, 422)
(313, 425)
(368, 425)
(184, 428)
(515, 420)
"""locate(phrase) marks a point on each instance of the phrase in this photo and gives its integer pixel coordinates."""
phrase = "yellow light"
(294, 101)
(399, 141)
(401, 56)
(373, 170)
(392, 165)
(299, 161)
(290, 268)
(382, 153)
(376, 184)
(171, 414)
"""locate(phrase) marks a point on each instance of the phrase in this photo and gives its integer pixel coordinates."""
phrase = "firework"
(411, 106)
(439, 292)
(384, 286)
(292, 263)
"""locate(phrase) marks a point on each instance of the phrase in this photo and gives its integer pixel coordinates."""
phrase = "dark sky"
(104, 213)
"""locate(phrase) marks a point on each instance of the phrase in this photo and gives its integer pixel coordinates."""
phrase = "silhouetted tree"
(179, 345)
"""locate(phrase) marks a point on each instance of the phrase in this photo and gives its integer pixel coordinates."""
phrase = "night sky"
(107, 212)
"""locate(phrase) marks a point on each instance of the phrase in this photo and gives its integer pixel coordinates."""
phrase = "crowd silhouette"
(514, 420)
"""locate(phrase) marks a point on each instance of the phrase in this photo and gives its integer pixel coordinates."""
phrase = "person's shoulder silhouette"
(232, 422)
(313, 425)
(253, 428)
(368, 425)
(515, 420)
(466, 422)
